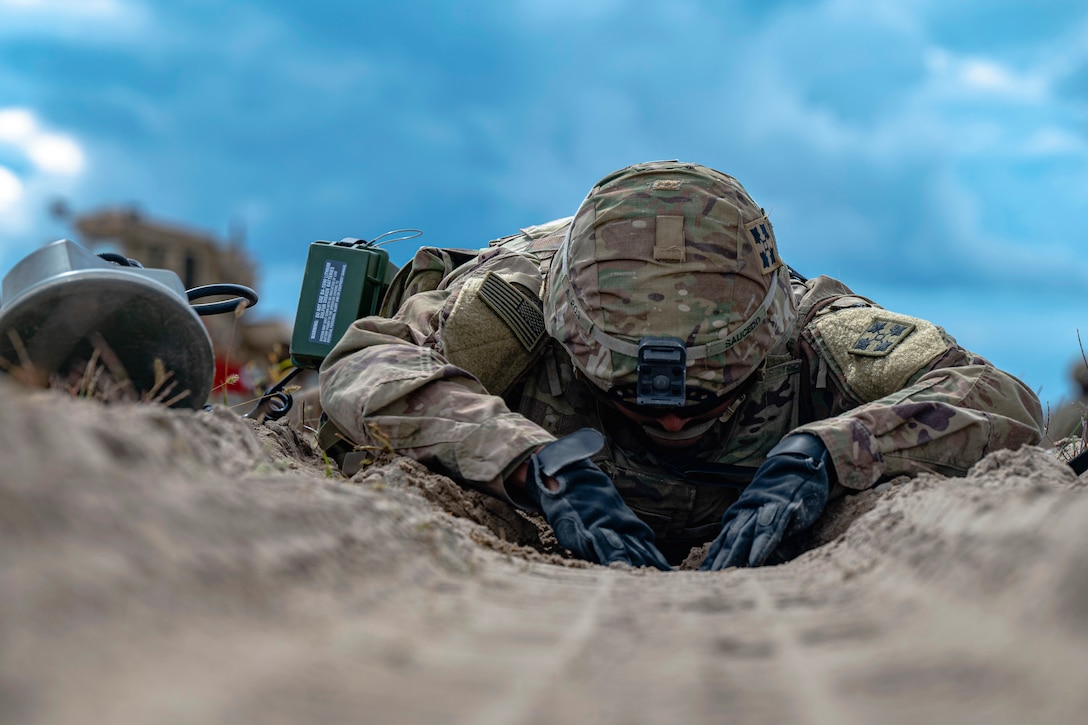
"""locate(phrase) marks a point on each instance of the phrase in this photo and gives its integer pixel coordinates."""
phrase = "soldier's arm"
(387, 382)
(901, 397)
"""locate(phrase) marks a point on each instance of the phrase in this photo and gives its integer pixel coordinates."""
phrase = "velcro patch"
(874, 352)
(493, 331)
(881, 337)
(669, 239)
(763, 236)
(515, 308)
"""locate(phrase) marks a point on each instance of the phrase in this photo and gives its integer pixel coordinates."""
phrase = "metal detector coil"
(62, 302)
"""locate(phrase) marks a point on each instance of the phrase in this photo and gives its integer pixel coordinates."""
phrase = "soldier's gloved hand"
(586, 512)
(788, 493)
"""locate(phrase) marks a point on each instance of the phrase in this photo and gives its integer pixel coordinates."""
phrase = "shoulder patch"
(881, 337)
(515, 308)
(763, 237)
(875, 352)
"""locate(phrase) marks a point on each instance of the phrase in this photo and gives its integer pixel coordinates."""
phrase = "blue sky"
(932, 154)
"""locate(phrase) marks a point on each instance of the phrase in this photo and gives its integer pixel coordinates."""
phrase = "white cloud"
(1051, 141)
(985, 76)
(11, 189)
(93, 8)
(56, 154)
(51, 153)
(948, 114)
(16, 124)
(51, 165)
(83, 22)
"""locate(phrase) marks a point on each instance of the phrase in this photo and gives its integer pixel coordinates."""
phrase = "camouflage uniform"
(445, 381)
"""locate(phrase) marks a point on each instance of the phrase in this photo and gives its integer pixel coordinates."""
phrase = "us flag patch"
(881, 337)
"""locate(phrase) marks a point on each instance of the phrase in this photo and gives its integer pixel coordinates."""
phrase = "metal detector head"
(63, 306)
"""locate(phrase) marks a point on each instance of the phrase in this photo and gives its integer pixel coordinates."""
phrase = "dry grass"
(101, 377)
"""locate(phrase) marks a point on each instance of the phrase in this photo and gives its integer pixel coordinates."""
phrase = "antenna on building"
(60, 210)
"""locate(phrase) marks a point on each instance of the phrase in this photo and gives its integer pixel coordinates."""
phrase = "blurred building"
(245, 346)
(198, 258)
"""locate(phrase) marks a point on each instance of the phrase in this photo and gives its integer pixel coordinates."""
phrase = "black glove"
(586, 513)
(787, 495)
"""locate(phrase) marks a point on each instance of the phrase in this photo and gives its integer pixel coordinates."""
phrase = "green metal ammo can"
(343, 281)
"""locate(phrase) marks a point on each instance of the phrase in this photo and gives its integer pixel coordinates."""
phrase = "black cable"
(120, 259)
(274, 404)
(245, 294)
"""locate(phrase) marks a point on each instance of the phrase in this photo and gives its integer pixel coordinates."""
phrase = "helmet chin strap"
(694, 431)
(728, 412)
(684, 434)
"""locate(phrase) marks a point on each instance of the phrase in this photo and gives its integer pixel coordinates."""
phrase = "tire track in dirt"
(809, 689)
(560, 632)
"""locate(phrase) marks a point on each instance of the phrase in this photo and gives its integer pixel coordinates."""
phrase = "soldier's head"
(668, 292)
(1079, 373)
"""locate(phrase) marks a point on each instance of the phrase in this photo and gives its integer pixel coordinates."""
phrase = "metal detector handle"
(245, 294)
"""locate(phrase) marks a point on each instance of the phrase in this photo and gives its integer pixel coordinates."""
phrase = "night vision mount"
(662, 365)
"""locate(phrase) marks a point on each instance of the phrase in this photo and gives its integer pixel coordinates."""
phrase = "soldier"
(1068, 420)
(651, 376)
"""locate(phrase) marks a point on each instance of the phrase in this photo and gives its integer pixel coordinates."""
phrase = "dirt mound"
(194, 566)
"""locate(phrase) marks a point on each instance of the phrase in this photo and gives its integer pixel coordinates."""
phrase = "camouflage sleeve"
(899, 396)
(388, 383)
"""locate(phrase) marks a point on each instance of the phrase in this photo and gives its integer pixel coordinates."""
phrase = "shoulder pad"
(541, 240)
(874, 352)
(492, 325)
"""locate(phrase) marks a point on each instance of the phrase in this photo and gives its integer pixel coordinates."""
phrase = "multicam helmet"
(669, 250)
(1079, 372)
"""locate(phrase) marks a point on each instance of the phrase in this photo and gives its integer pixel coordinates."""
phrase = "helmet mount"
(661, 371)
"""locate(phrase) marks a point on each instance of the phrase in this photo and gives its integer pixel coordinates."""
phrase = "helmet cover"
(669, 249)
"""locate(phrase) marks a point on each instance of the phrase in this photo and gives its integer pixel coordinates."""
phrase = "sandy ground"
(195, 567)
